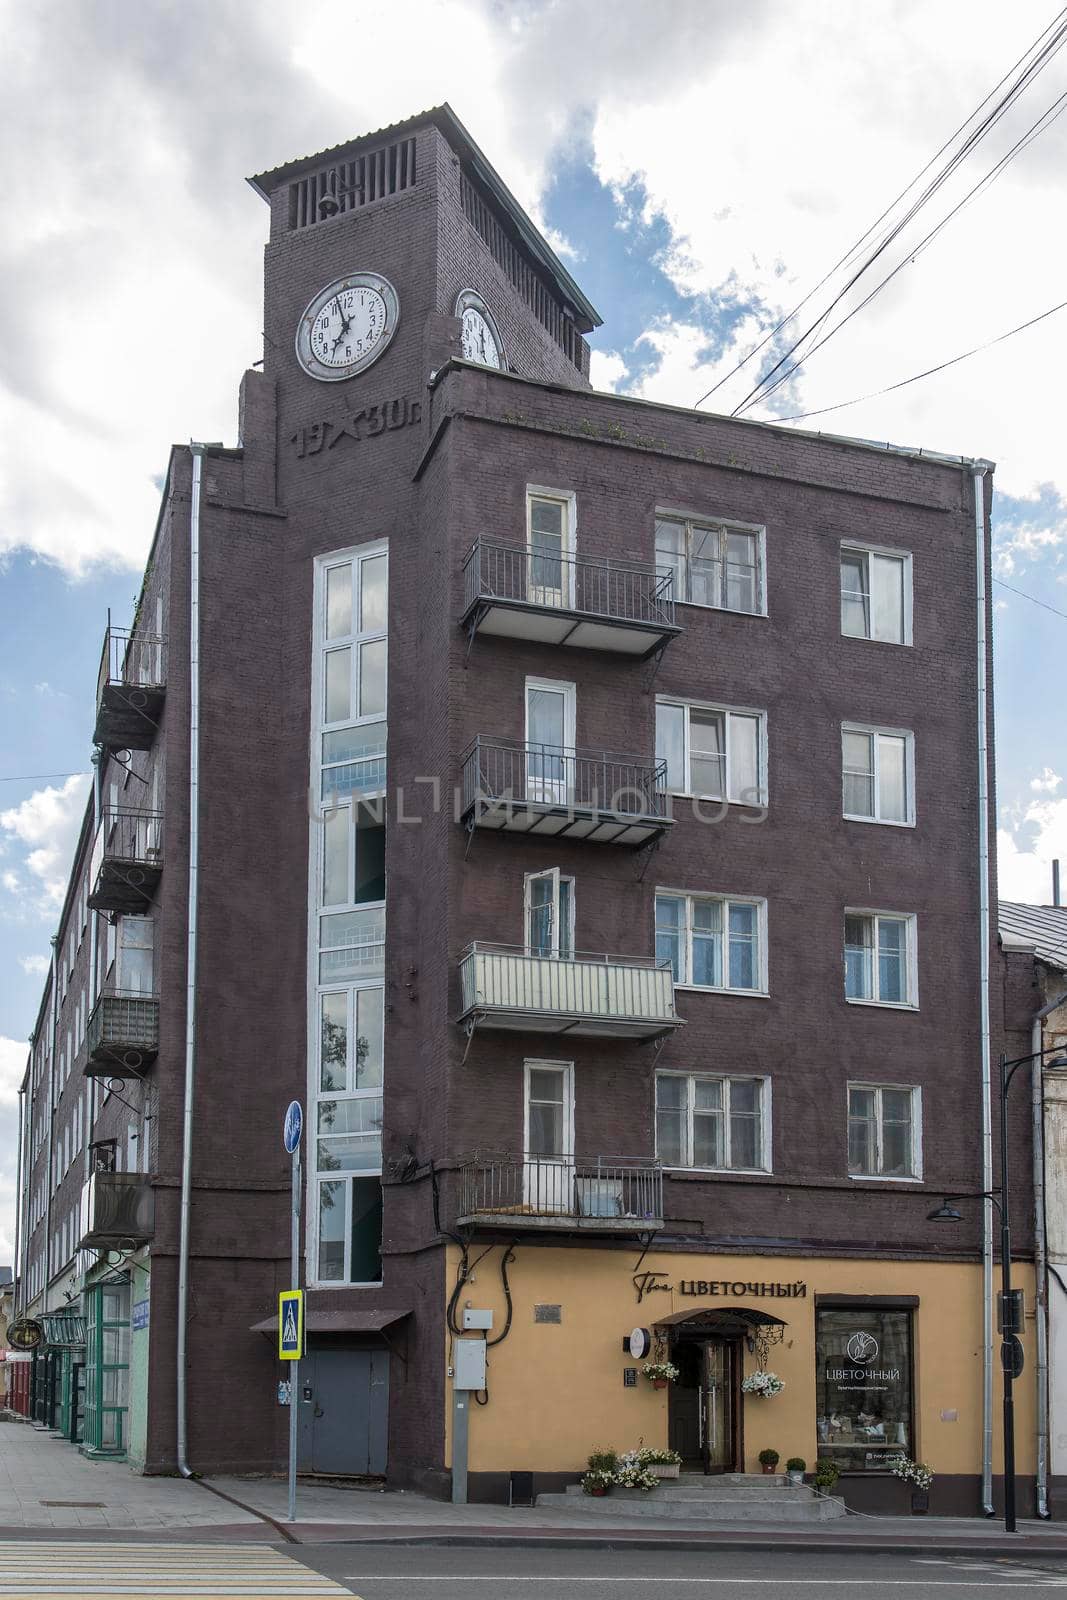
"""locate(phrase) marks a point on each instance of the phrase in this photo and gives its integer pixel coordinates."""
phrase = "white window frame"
(316, 861)
(566, 1071)
(877, 734)
(726, 525)
(859, 547)
(766, 1132)
(554, 875)
(688, 706)
(690, 896)
(915, 1091)
(569, 500)
(553, 793)
(911, 957)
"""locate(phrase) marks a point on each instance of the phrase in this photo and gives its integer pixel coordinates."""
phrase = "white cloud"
(46, 825)
(1026, 848)
(13, 1057)
(607, 371)
(34, 966)
(1047, 783)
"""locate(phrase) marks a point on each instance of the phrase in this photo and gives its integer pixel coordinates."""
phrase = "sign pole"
(290, 1331)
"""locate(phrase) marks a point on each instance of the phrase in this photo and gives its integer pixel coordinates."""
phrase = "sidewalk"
(47, 1486)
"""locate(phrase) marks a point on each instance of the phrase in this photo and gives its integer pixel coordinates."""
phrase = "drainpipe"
(979, 469)
(20, 1172)
(197, 451)
(1037, 1127)
(52, 1029)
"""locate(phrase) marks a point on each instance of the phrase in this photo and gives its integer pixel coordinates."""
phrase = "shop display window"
(864, 1406)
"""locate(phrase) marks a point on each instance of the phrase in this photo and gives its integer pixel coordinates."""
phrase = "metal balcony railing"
(127, 860)
(571, 1193)
(122, 1034)
(588, 602)
(118, 1208)
(130, 688)
(589, 794)
(506, 986)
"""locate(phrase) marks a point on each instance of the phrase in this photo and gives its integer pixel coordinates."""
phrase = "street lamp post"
(999, 1198)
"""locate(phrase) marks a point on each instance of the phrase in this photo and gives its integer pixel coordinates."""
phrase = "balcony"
(122, 1035)
(609, 997)
(130, 690)
(562, 1195)
(118, 1211)
(514, 787)
(584, 602)
(127, 860)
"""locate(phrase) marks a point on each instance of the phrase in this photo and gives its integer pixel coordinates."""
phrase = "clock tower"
(388, 257)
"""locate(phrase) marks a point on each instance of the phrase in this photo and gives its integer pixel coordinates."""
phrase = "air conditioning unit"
(118, 1210)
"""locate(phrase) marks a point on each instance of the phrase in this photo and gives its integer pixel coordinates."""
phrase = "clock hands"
(346, 323)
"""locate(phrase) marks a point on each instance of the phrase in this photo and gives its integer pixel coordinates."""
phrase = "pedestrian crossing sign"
(290, 1324)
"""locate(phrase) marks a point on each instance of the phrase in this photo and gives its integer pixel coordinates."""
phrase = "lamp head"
(1058, 1062)
(944, 1213)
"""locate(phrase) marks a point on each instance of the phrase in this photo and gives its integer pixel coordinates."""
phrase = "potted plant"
(919, 1475)
(827, 1473)
(659, 1373)
(661, 1463)
(768, 1460)
(795, 1468)
(632, 1475)
(762, 1384)
(597, 1483)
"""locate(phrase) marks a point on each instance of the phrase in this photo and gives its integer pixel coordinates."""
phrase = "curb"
(758, 1540)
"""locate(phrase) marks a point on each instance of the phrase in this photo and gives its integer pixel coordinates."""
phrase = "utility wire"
(755, 396)
(1032, 598)
(40, 777)
(1050, 48)
(801, 416)
(847, 257)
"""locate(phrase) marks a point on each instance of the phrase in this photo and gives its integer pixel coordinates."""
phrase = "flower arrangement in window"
(916, 1472)
(763, 1384)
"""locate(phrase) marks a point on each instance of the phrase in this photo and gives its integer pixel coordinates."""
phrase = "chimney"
(1056, 883)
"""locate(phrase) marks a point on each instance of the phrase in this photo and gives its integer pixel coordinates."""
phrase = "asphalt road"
(384, 1572)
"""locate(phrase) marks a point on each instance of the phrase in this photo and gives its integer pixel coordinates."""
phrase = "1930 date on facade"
(367, 423)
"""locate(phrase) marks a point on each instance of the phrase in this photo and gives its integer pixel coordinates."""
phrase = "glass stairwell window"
(714, 564)
(348, 880)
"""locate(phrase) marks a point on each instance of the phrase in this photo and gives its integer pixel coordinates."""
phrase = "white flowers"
(660, 1371)
(916, 1472)
(763, 1384)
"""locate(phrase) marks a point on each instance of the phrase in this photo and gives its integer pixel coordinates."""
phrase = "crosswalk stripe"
(78, 1569)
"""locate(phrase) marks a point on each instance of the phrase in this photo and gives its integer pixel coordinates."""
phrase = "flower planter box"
(665, 1469)
(920, 1502)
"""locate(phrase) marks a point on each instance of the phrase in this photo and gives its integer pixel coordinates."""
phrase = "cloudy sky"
(701, 163)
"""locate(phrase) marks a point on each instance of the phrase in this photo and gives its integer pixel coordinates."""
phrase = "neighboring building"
(7, 1296)
(1034, 940)
(647, 988)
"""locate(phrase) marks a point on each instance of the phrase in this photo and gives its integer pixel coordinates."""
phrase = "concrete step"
(714, 1490)
(626, 1504)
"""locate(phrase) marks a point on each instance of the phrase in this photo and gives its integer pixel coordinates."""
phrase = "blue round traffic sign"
(293, 1126)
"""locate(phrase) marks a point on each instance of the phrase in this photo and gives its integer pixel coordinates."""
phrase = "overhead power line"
(801, 416)
(850, 253)
(40, 777)
(763, 391)
(1032, 598)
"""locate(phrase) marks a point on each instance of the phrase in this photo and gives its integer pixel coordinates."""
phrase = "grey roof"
(1044, 927)
(444, 118)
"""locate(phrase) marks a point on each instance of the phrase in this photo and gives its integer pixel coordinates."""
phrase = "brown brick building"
(573, 801)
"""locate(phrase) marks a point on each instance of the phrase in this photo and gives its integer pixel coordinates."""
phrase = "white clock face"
(478, 341)
(347, 326)
(479, 336)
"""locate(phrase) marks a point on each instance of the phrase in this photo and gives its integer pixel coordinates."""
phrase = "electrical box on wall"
(477, 1319)
(469, 1361)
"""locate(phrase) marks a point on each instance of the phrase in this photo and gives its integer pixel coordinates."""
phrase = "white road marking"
(661, 1582)
(50, 1569)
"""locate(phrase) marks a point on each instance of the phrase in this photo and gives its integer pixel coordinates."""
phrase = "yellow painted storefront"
(556, 1389)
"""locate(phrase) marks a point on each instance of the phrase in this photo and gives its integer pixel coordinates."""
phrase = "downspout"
(197, 451)
(20, 1172)
(1037, 1129)
(980, 468)
(52, 1029)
